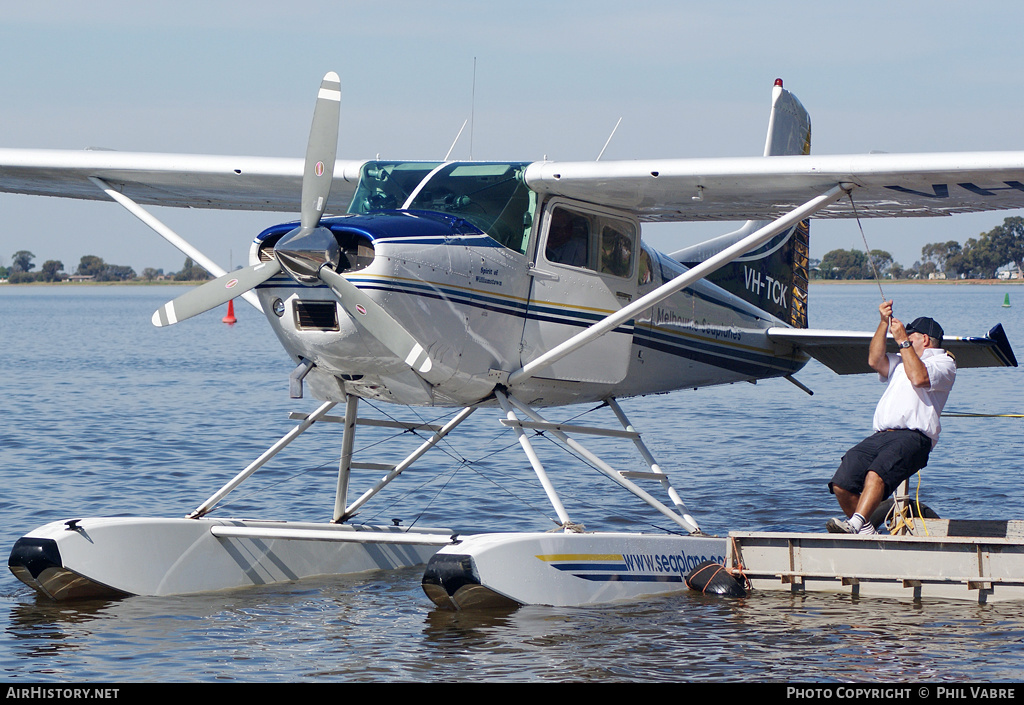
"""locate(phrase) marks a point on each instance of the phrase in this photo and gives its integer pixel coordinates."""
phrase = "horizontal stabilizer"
(846, 352)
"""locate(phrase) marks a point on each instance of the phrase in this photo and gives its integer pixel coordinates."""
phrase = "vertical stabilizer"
(774, 276)
(789, 125)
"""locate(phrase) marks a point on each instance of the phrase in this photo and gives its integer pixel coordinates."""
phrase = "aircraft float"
(508, 288)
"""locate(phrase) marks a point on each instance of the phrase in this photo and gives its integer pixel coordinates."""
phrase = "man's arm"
(877, 358)
(916, 371)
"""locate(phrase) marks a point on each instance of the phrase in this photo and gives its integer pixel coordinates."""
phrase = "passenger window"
(568, 239)
(616, 250)
(646, 275)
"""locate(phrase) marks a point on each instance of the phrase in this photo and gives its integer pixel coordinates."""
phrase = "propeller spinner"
(310, 253)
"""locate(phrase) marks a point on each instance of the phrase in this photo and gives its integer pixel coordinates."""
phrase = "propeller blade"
(382, 326)
(214, 293)
(321, 151)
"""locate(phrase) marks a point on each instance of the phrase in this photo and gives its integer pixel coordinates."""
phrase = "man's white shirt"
(905, 406)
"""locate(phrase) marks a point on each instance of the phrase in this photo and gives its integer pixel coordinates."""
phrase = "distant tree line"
(978, 258)
(22, 266)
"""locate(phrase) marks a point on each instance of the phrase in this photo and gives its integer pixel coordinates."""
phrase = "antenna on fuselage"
(452, 148)
(472, 111)
(607, 141)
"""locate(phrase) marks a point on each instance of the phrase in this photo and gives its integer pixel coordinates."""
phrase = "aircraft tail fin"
(789, 125)
(774, 276)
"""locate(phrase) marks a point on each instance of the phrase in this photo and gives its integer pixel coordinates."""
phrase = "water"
(104, 414)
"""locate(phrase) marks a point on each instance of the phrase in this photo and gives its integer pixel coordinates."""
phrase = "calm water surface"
(105, 415)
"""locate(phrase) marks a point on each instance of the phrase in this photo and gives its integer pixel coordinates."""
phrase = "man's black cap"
(927, 326)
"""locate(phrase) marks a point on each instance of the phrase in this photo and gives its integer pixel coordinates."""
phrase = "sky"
(537, 79)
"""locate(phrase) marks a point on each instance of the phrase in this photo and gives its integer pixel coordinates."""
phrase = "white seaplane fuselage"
(482, 308)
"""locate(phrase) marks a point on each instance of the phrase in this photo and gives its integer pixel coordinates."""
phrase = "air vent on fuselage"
(316, 315)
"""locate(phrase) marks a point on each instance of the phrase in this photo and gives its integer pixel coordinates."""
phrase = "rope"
(867, 250)
(738, 568)
(917, 498)
(571, 526)
(718, 568)
(902, 518)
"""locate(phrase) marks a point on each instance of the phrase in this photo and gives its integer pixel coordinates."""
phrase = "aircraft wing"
(846, 352)
(758, 188)
(762, 188)
(178, 180)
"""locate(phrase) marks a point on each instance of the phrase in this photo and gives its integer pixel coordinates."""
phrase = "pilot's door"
(585, 269)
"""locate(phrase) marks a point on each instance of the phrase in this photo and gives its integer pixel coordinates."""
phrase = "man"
(566, 244)
(906, 420)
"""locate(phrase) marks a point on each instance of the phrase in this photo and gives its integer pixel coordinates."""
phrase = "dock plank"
(987, 565)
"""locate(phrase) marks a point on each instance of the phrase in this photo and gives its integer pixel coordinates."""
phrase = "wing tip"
(1002, 344)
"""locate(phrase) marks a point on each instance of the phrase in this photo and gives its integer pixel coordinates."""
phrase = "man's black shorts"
(892, 455)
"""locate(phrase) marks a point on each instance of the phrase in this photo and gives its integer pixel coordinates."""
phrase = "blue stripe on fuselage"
(731, 357)
(721, 354)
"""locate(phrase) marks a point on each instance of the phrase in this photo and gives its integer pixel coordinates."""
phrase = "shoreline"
(196, 282)
(930, 282)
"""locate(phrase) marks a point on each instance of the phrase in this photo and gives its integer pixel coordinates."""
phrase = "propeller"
(214, 293)
(382, 326)
(309, 253)
(293, 249)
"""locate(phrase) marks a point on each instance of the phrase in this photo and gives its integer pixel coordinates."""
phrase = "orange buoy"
(230, 318)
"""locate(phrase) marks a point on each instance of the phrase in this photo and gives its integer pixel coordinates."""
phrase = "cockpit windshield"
(492, 196)
(387, 185)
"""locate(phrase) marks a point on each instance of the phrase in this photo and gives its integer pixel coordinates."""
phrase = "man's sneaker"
(836, 525)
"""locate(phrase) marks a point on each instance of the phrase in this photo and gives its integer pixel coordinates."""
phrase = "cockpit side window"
(568, 240)
(599, 242)
(617, 249)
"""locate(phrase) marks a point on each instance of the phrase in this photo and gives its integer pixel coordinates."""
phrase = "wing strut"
(255, 465)
(169, 235)
(681, 282)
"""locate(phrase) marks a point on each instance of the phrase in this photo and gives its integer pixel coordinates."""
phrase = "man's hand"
(877, 358)
(885, 310)
(899, 333)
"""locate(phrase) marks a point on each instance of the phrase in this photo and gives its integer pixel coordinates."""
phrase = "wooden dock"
(981, 561)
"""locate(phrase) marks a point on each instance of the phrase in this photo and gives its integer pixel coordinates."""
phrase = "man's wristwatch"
(905, 344)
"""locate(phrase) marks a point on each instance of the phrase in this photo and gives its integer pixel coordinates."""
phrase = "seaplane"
(508, 288)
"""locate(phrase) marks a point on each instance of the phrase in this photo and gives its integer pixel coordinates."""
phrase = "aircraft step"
(331, 418)
(641, 475)
(569, 428)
